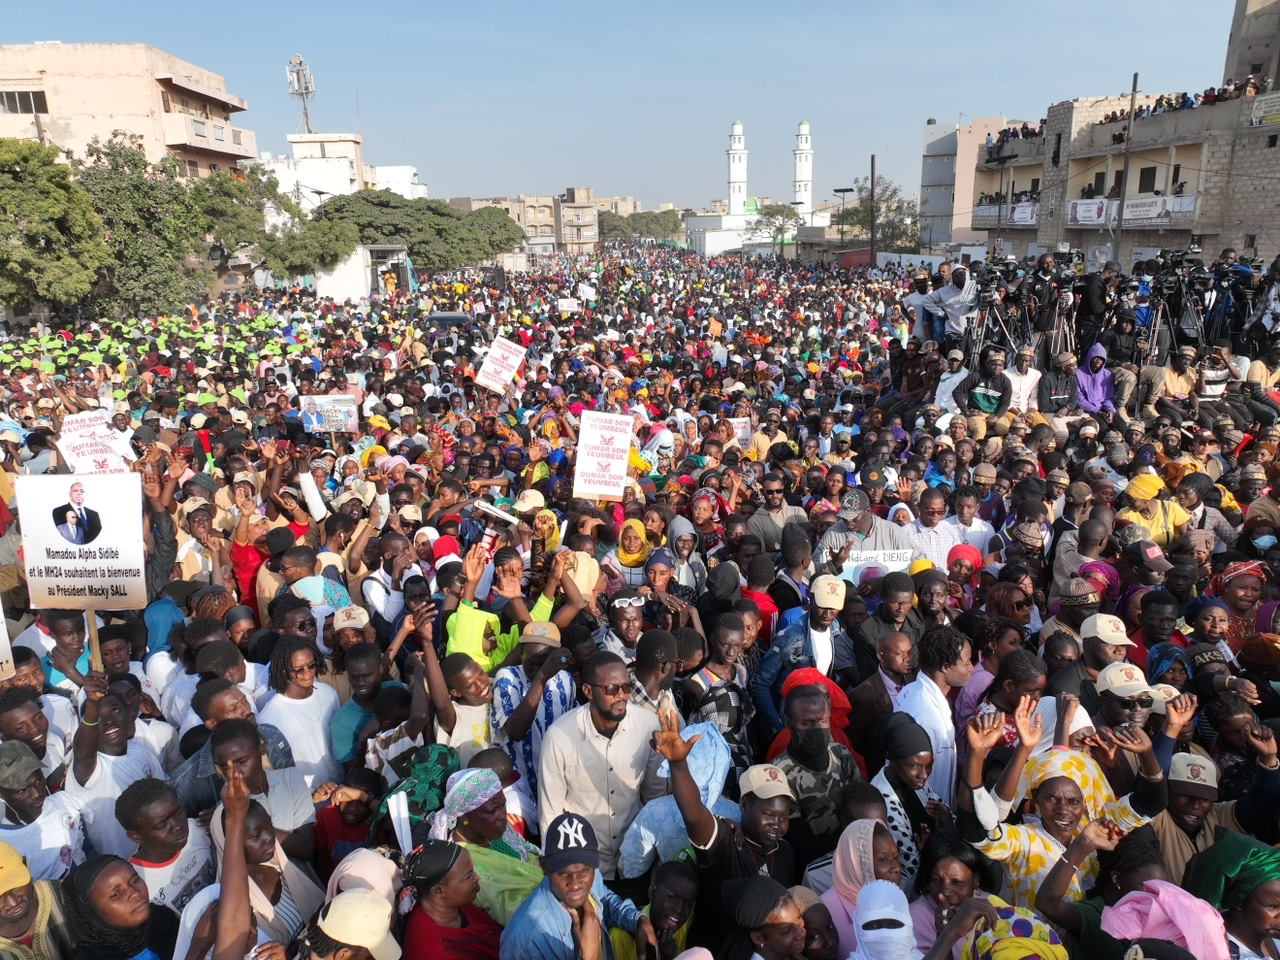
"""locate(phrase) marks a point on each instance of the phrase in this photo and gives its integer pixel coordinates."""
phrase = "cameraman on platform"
(1095, 304)
(1051, 300)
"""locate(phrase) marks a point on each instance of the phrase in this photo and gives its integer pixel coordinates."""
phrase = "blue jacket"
(540, 929)
(197, 783)
(789, 651)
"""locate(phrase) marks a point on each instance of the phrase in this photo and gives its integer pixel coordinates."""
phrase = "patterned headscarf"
(467, 790)
(1241, 568)
(1018, 933)
(1105, 577)
(1081, 769)
(425, 783)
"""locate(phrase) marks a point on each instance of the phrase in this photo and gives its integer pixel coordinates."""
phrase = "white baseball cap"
(361, 918)
(1125, 680)
(1107, 628)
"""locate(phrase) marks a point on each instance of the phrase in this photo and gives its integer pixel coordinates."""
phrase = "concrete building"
(946, 187)
(565, 224)
(622, 206)
(326, 165)
(402, 180)
(1253, 46)
(65, 95)
(577, 223)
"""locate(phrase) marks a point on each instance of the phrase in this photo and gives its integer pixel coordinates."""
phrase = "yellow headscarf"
(547, 526)
(633, 559)
(1145, 486)
(1077, 767)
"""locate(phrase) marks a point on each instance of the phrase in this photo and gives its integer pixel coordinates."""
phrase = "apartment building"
(65, 95)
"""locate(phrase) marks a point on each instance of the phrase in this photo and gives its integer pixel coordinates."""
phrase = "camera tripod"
(991, 327)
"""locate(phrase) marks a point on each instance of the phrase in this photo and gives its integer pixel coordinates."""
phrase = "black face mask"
(811, 747)
(959, 278)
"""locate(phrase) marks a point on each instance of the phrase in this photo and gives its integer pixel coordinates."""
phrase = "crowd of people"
(883, 650)
(1173, 102)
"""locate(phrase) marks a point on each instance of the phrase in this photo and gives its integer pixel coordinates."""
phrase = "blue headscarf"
(1163, 656)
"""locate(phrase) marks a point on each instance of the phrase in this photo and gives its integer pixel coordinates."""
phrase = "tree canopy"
(51, 245)
(659, 224)
(775, 221)
(897, 218)
(438, 236)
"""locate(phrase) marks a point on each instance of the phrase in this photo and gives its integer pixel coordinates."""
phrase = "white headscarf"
(882, 900)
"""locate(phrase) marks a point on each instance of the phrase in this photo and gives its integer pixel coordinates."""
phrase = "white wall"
(402, 180)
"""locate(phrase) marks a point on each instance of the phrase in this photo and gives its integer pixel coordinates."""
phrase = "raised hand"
(1028, 723)
(1180, 711)
(1102, 834)
(235, 794)
(1130, 738)
(1263, 741)
(984, 732)
(474, 563)
(668, 741)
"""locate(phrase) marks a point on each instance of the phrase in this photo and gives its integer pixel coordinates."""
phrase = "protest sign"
(500, 365)
(604, 442)
(885, 561)
(82, 541)
(741, 429)
(714, 328)
(586, 291)
(87, 445)
(331, 414)
(568, 305)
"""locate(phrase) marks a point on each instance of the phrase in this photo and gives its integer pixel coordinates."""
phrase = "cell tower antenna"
(301, 86)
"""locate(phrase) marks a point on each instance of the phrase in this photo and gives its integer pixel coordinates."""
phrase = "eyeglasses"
(1021, 604)
(628, 602)
(611, 689)
(771, 491)
(305, 668)
(1139, 703)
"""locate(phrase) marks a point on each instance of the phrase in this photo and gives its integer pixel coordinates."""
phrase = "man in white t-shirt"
(48, 830)
(22, 720)
(283, 793)
(106, 758)
(174, 856)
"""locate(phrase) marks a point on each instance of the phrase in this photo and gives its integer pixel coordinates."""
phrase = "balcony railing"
(218, 136)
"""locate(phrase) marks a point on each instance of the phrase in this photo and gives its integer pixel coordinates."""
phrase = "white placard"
(604, 442)
(87, 445)
(330, 414)
(500, 365)
(741, 429)
(586, 291)
(7, 668)
(82, 541)
(568, 305)
(886, 561)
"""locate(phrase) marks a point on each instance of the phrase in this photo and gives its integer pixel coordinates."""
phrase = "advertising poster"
(87, 445)
(604, 443)
(82, 540)
(500, 365)
(333, 414)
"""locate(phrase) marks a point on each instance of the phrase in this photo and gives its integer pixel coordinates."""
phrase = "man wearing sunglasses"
(1103, 642)
(767, 523)
(626, 621)
(598, 760)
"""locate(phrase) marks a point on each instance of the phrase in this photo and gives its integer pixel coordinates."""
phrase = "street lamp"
(840, 192)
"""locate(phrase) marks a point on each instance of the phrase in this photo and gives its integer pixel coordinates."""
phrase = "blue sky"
(493, 98)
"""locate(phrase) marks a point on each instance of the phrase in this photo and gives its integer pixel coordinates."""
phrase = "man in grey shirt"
(767, 523)
(859, 530)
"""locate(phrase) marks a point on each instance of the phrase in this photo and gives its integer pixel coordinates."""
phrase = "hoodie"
(658, 832)
(691, 573)
(1097, 390)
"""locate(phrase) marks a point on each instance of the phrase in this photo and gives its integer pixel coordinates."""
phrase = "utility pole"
(873, 211)
(1124, 175)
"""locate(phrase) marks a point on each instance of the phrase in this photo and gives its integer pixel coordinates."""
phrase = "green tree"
(51, 241)
(154, 224)
(897, 218)
(438, 236)
(659, 224)
(775, 221)
(614, 227)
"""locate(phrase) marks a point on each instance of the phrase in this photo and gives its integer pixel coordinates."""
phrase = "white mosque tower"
(803, 154)
(737, 170)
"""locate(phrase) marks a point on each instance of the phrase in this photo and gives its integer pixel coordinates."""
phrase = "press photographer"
(1097, 304)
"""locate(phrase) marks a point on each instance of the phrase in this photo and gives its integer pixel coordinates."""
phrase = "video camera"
(988, 279)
